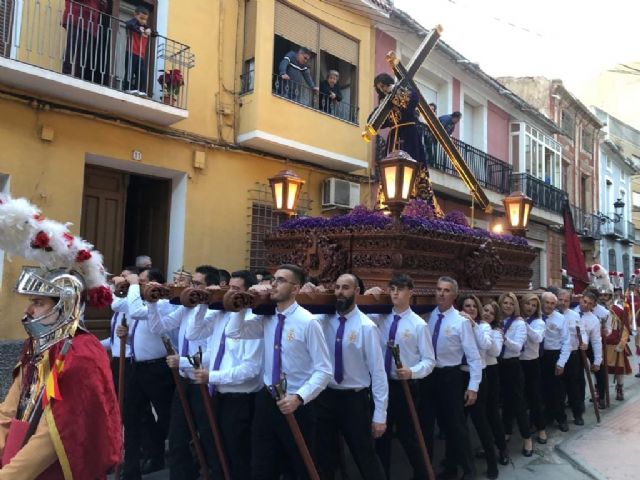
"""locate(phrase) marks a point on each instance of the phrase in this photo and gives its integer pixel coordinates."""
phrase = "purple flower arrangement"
(417, 217)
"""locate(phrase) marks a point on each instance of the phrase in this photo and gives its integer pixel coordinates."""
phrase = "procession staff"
(444, 393)
(511, 377)
(295, 350)
(471, 306)
(344, 406)
(530, 362)
(233, 376)
(557, 349)
(161, 323)
(409, 332)
(617, 344)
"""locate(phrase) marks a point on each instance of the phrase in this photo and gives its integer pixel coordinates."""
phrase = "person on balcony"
(330, 95)
(450, 121)
(135, 62)
(84, 55)
(293, 71)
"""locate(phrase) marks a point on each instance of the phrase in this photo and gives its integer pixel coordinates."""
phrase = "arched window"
(613, 266)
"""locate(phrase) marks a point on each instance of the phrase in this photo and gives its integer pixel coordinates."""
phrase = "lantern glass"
(278, 194)
(514, 214)
(390, 174)
(406, 182)
(292, 194)
(525, 215)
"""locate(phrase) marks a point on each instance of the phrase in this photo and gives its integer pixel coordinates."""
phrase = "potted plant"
(171, 81)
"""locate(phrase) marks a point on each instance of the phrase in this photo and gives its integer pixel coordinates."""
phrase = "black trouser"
(234, 412)
(513, 401)
(600, 375)
(399, 419)
(553, 387)
(183, 466)
(135, 72)
(346, 412)
(442, 396)
(533, 392)
(492, 377)
(480, 420)
(147, 382)
(574, 383)
(272, 443)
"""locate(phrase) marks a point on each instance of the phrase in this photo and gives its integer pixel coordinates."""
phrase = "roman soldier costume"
(618, 351)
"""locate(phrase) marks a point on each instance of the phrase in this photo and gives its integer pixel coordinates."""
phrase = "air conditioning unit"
(338, 193)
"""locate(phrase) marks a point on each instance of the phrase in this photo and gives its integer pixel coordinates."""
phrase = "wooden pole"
(587, 371)
(121, 361)
(605, 375)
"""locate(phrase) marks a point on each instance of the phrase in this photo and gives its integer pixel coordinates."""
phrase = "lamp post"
(285, 188)
(398, 171)
(517, 206)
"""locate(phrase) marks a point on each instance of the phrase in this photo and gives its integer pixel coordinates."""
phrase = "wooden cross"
(405, 79)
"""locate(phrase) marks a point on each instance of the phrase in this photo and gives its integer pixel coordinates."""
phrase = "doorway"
(124, 215)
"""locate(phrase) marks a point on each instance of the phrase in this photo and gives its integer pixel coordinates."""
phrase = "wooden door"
(103, 212)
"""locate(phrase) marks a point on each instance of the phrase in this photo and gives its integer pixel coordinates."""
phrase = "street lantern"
(398, 171)
(517, 207)
(285, 188)
(618, 206)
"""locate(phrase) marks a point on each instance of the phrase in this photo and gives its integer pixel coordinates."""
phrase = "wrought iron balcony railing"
(308, 97)
(587, 225)
(631, 232)
(613, 229)
(70, 38)
(544, 196)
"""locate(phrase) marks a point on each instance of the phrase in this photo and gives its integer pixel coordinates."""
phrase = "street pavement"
(609, 450)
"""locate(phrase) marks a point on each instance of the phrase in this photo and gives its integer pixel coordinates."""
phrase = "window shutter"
(338, 45)
(250, 9)
(294, 26)
(6, 23)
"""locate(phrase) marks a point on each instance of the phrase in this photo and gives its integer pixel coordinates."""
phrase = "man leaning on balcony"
(293, 71)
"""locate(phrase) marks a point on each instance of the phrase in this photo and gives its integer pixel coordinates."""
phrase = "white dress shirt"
(362, 358)
(603, 315)
(514, 338)
(241, 364)
(413, 338)
(497, 340)
(112, 342)
(589, 331)
(484, 340)
(147, 345)
(535, 336)
(304, 353)
(556, 336)
(163, 322)
(455, 340)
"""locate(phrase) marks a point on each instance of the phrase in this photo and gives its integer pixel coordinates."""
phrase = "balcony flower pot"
(171, 82)
(168, 100)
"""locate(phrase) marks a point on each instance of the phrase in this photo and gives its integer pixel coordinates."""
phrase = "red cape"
(86, 429)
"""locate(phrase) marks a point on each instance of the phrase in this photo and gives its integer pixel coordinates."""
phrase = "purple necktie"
(218, 360)
(184, 351)
(392, 341)
(505, 329)
(113, 326)
(541, 347)
(276, 371)
(132, 340)
(436, 333)
(338, 374)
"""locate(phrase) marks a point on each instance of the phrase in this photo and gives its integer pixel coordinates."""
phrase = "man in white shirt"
(410, 333)
(556, 352)
(295, 350)
(444, 393)
(344, 406)
(232, 368)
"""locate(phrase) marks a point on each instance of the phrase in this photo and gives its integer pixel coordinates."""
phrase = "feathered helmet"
(70, 270)
(600, 279)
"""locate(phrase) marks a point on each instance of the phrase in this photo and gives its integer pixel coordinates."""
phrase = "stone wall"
(9, 352)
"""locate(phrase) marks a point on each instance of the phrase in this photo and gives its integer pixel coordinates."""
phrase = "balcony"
(491, 172)
(544, 196)
(89, 58)
(630, 237)
(614, 230)
(587, 225)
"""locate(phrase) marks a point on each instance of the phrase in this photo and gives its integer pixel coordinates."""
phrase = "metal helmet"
(65, 285)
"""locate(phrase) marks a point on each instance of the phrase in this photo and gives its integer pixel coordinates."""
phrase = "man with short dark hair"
(225, 276)
(295, 350)
(444, 393)
(450, 121)
(293, 71)
(344, 406)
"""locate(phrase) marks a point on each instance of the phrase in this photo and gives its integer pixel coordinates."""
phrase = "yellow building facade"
(185, 179)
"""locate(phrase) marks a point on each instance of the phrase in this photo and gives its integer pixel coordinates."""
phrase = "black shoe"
(578, 421)
(602, 404)
(492, 474)
(480, 454)
(503, 457)
(563, 426)
(540, 440)
(527, 453)
(151, 465)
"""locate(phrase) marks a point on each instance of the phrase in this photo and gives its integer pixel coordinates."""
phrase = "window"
(613, 266)
(608, 160)
(249, 47)
(542, 155)
(568, 124)
(587, 140)
(636, 200)
(330, 50)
